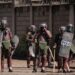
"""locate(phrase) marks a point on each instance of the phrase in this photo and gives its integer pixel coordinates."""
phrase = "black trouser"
(48, 57)
(5, 53)
(28, 57)
(63, 63)
(60, 63)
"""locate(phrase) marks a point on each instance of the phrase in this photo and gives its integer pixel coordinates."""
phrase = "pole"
(54, 64)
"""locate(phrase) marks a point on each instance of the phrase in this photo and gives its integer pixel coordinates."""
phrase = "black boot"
(34, 70)
(10, 69)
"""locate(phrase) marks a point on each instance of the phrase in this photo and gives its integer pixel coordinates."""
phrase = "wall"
(6, 11)
(60, 17)
(22, 20)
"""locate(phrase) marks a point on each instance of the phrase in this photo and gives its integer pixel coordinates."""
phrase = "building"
(22, 13)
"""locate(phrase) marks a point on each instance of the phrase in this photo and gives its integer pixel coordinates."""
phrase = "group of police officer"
(38, 46)
(63, 45)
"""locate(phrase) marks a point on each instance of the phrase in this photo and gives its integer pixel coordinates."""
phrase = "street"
(19, 68)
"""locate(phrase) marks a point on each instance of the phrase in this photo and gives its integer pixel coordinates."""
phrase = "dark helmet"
(32, 28)
(70, 28)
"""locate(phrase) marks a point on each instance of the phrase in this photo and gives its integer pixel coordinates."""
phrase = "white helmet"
(43, 25)
(70, 28)
(63, 28)
(32, 28)
(4, 21)
(71, 25)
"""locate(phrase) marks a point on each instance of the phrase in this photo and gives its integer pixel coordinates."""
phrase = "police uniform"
(43, 42)
(65, 47)
(66, 42)
(6, 49)
(31, 44)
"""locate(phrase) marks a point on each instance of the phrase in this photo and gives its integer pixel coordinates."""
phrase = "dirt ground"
(20, 68)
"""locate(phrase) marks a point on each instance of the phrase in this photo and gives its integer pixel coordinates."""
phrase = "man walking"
(65, 47)
(6, 45)
(31, 44)
(43, 42)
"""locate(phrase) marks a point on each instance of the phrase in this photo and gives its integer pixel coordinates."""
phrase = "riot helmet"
(32, 28)
(70, 28)
(62, 29)
(4, 22)
(42, 26)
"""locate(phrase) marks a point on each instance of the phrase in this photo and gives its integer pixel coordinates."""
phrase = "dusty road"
(19, 68)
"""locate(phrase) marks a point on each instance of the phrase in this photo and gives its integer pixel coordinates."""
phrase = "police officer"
(31, 44)
(57, 44)
(65, 47)
(6, 45)
(43, 39)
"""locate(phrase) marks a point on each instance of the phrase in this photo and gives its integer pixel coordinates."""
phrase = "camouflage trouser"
(40, 57)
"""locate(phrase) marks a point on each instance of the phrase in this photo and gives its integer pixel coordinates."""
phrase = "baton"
(54, 62)
(51, 53)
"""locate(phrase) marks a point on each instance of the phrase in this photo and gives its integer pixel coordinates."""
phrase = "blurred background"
(23, 13)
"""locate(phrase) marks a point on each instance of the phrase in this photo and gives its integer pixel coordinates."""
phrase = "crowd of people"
(38, 46)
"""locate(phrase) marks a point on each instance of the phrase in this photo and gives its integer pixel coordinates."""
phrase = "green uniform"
(6, 44)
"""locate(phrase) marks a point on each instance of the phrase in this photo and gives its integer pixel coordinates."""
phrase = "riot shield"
(73, 46)
(1, 36)
(15, 40)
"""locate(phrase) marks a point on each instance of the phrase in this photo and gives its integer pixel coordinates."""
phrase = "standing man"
(43, 39)
(57, 44)
(6, 45)
(65, 47)
(31, 44)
